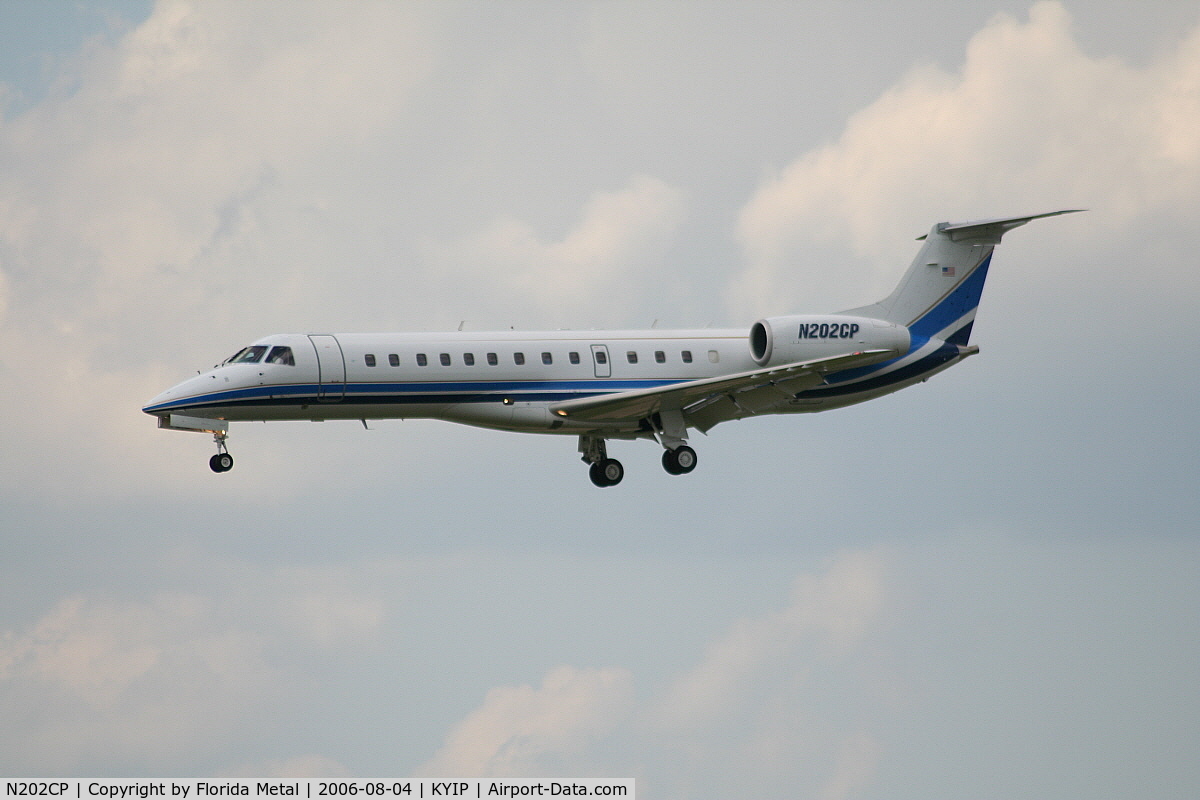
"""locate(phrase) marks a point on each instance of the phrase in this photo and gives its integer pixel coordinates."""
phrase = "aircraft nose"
(180, 397)
(171, 399)
(155, 406)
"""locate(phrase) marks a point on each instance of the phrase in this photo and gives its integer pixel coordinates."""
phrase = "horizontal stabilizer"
(989, 231)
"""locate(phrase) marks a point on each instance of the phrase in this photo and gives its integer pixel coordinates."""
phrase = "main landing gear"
(679, 461)
(222, 461)
(605, 471)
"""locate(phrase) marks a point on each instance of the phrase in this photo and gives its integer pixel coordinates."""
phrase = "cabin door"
(332, 368)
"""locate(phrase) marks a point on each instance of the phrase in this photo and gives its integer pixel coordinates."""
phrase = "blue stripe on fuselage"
(841, 388)
(406, 393)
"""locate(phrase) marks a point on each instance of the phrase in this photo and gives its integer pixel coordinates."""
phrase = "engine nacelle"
(785, 340)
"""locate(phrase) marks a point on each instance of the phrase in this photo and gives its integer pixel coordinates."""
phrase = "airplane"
(602, 385)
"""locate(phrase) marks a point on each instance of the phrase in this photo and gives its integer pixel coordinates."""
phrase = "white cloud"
(522, 731)
(853, 770)
(329, 619)
(328, 607)
(758, 698)
(95, 654)
(103, 682)
(1029, 123)
(147, 163)
(831, 612)
(98, 679)
(618, 235)
(165, 189)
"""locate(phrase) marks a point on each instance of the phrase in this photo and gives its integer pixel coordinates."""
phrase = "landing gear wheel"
(608, 472)
(679, 461)
(221, 462)
(685, 457)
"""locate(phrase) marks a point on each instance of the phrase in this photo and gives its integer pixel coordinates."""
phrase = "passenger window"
(660, 357)
(394, 359)
(601, 356)
(519, 359)
(369, 359)
(469, 359)
(687, 356)
(493, 359)
(574, 358)
(547, 359)
(445, 358)
(714, 356)
(422, 360)
(281, 355)
(632, 356)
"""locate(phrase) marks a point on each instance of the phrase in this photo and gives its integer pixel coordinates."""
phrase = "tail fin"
(938, 295)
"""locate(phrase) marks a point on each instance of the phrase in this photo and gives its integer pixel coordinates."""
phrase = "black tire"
(596, 475)
(608, 472)
(221, 462)
(679, 461)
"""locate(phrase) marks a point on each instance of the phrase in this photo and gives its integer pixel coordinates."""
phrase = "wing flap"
(756, 386)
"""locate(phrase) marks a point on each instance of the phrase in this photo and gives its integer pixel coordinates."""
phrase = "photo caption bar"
(75, 789)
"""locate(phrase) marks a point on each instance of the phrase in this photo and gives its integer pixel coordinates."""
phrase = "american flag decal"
(948, 272)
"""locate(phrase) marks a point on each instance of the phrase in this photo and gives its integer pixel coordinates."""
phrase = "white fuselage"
(504, 380)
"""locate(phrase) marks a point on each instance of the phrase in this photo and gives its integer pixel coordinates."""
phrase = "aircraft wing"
(778, 383)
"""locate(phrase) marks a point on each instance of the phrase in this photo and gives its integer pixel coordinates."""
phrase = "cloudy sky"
(984, 586)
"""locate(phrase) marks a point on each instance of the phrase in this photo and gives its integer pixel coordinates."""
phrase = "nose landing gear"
(222, 461)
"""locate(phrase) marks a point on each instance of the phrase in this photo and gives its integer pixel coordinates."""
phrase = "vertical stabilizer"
(938, 295)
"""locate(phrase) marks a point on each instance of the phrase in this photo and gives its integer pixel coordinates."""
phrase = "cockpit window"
(248, 355)
(281, 355)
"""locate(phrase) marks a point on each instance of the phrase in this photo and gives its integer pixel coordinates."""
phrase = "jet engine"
(785, 340)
